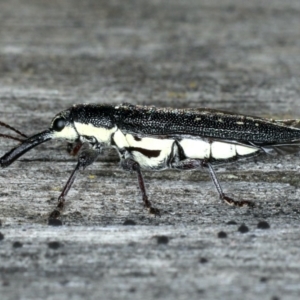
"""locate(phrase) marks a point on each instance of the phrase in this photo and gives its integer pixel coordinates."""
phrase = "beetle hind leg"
(190, 164)
(131, 165)
(226, 199)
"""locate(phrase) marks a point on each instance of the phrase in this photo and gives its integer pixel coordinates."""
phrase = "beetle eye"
(59, 124)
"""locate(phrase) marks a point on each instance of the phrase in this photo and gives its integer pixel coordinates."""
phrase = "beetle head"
(85, 123)
(61, 128)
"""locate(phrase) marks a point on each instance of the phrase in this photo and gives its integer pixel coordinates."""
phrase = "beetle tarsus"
(55, 214)
(238, 203)
(154, 211)
(61, 203)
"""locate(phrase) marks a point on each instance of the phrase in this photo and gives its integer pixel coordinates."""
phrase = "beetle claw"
(55, 214)
(154, 211)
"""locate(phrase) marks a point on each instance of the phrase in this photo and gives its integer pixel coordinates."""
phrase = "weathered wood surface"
(241, 56)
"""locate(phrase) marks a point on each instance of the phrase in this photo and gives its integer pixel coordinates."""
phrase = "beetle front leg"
(129, 164)
(191, 164)
(87, 155)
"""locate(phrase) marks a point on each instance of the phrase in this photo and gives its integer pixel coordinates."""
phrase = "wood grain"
(241, 56)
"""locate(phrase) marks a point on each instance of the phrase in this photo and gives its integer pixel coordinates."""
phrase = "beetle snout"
(25, 146)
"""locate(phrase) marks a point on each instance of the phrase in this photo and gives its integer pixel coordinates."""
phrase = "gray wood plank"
(230, 55)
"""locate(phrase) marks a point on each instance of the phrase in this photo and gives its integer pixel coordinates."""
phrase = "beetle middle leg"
(87, 155)
(131, 165)
(190, 164)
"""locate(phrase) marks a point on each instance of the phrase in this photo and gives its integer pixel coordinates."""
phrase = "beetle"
(151, 138)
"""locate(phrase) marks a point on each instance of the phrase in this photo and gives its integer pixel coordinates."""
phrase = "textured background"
(242, 56)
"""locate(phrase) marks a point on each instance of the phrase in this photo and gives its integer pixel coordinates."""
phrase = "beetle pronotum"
(153, 138)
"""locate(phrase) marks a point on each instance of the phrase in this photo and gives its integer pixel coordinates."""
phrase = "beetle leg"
(129, 164)
(73, 148)
(190, 164)
(223, 197)
(86, 157)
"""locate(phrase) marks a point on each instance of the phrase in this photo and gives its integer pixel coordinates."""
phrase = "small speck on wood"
(203, 260)
(5, 283)
(231, 222)
(17, 245)
(263, 279)
(263, 225)
(243, 228)
(129, 222)
(222, 235)
(162, 239)
(54, 245)
(132, 290)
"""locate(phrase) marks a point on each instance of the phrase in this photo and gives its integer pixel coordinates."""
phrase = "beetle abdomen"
(158, 154)
(215, 150)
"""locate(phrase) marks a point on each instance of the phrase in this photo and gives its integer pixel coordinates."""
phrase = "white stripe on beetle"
(221, 150)
(243, 150)
(101, 134)
(195, 148)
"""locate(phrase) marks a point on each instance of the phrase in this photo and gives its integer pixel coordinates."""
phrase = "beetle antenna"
(13, 129)
(11, 137)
